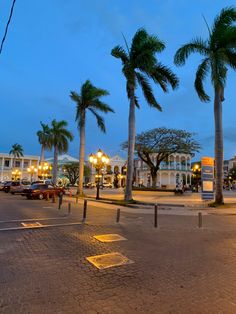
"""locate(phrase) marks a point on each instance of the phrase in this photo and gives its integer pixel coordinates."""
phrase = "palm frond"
(162, 74)
(200, 76)
(99, 105)
(147, 91)
(226, 17)
(196, 45)
(119, 53)
(100, 120)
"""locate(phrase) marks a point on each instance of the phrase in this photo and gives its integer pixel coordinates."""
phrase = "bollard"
(76, 200)
(156, 216)
(53, 198)
(47, 196)
(118, 215)
(60, 201)
(69, 208)
(85, 210)
(199, 220)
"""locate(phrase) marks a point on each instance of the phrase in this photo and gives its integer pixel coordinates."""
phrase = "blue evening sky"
(54, 46)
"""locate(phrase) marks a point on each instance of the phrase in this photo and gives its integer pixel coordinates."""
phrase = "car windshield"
(38, 186)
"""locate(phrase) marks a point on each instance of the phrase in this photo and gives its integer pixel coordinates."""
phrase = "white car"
(107, 185)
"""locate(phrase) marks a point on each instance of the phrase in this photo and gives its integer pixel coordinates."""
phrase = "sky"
(54, 46)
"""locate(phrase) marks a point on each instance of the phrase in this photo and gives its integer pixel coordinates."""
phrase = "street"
(176, 268)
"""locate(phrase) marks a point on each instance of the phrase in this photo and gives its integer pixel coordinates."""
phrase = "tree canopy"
(71, 171)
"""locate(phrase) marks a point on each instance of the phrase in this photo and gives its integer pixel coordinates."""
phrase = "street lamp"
(16, 174)
(32, 170)
(44, 170)
(196, 174)
(98, 160)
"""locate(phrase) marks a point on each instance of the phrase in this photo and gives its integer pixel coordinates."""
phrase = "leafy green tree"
(219, 54)
(156, 145)
(17, 151)
(139, 65)
(59, 137)
(232, 173)
(88, 100)
(44, 140)
(71, 171)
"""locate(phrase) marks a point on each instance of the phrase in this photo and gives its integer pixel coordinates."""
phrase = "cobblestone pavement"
(177, 268)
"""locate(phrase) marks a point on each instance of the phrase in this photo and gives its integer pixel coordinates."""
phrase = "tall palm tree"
(219, 54)
(59, 137)
(139, 64)
(17, 151)
(44, 140)
(88, 100)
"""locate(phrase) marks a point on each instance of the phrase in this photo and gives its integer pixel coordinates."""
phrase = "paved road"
(177, 268)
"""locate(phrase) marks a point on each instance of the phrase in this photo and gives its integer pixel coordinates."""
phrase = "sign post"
(207, 164)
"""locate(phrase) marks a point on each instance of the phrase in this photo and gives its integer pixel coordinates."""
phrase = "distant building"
(21, 164)
(176, 170)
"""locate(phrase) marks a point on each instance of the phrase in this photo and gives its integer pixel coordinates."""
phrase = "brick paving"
(178, 268)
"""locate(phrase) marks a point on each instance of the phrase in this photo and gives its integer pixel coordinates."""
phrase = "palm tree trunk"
(131, 144)
(42, 155)
(55, 165)
(81, 157)
(218, 145)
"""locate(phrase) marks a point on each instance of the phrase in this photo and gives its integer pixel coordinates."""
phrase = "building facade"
(176, 170)
(21, 165)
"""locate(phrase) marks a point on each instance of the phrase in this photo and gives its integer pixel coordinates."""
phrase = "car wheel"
(41, 196)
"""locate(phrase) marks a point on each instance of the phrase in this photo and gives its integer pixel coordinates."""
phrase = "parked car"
(19, 187)
(107, 185)
(90, 185)
(1, 185)
(7, 186)
(41, 190)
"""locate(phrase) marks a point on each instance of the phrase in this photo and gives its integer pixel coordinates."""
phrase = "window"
(7, 163)
(17, 163)
(26, 164)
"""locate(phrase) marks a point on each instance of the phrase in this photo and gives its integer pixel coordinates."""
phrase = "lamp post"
(32, 170)
(16, 174)
(98, 160)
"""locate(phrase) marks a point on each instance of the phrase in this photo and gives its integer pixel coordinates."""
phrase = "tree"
(156, 145)
(71, 171)
(219, 53)
(17, 151)
(139, 65)
(59, 137)
(88, 100)
(44, 140)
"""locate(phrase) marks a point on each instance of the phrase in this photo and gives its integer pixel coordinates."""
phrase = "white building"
(177, 170)
(21, 164)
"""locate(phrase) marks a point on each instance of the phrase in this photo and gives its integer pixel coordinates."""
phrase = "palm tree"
(219, 53)
(139, 64)
(88, 100)
(44, 140)
(59, 137)
(17, 151)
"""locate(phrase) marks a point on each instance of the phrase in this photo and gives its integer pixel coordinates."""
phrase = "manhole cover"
(108, 260)
(31, 224)
(109, 238)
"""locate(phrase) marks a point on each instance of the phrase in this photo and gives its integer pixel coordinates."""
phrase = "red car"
(41, 190)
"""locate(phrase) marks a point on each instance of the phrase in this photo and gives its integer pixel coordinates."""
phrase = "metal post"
(118, 215)
(85, 210)
(98, 185)
(199, 220)
(155, 216)
(69, 208)
(53, 198)
(60, 201)
(47, 196)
